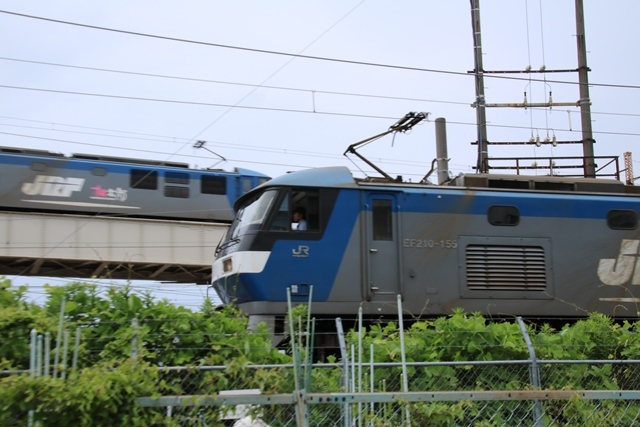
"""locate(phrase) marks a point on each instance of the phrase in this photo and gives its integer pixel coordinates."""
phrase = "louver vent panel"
(505, 268)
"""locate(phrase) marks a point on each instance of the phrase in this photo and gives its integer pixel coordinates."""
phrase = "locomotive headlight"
(227, 265)
(239, 263)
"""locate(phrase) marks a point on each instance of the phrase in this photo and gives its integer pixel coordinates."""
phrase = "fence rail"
(496, 393)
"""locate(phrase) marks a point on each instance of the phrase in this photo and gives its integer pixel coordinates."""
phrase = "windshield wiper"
(225, 245)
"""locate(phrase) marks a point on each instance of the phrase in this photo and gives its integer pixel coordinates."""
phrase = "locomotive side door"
(381, 248)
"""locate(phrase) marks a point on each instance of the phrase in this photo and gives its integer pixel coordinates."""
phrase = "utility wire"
(284, 88)
(286, 110)
(223, 82)
(301, 56)
(287, 165)
(207, 104)
(235, 146)
(495, 125)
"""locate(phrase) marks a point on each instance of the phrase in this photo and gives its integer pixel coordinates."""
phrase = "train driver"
(298, 218)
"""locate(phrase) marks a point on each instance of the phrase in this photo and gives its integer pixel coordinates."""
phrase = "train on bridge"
(44, 181)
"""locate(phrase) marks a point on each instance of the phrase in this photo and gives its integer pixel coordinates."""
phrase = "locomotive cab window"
(297, 211)
(622, 220)
(252, 213)
(144, 179)
(503, 215)
(305, 210)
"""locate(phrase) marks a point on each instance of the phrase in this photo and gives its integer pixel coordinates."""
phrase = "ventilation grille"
(505, 268)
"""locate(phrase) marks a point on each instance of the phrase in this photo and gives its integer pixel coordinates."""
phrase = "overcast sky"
(146, 79)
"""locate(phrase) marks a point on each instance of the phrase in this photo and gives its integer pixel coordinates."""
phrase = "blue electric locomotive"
(38, 180)
(502, 245)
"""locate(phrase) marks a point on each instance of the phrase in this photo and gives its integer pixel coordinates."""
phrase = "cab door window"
(382, 218)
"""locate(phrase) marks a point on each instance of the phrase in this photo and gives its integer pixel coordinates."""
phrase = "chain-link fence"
(527, 392)
(440, 394)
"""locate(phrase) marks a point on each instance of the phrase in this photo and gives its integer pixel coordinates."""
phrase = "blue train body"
(38, 180)
(503, 245)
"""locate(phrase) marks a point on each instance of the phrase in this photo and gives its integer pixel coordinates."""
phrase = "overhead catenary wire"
(252, 85)
(157, 152)
(283, 151)
(452, 122)
(290, 110)
(294, 89)
(301, 56)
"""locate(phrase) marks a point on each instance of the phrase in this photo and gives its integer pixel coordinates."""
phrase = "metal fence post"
(360, 353)
(32, 367)
(32, 356)
(371, 381)
(56, 357)
(47, 354)
(403, 357)
(39, 349)
(345, 370)
(134, 341)
(302, 416)
(65, 350)
(534, 372)
(76, 349)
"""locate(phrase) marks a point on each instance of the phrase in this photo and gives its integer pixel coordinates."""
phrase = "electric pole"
(584, 102)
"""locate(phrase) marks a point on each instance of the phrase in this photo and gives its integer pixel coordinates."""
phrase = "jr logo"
(55, 186)
(301, 252)
(620, 271)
